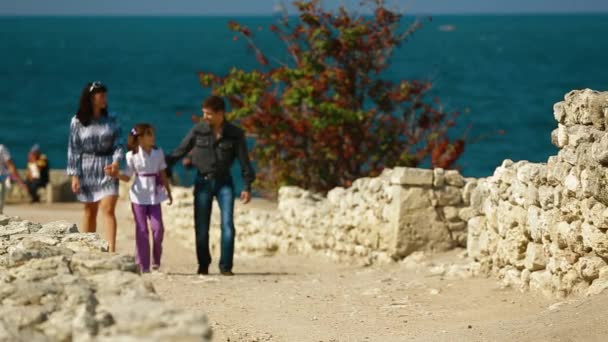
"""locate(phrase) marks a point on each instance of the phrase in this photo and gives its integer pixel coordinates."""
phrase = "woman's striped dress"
(90, 149)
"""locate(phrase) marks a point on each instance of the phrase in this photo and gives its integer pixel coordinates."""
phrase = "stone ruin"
(535, 226)
(376, 220)
(542, 226)
(59, 285)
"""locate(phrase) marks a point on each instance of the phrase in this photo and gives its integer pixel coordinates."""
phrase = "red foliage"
(324, 117)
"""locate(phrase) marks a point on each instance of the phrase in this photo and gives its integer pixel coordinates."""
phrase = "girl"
(150, 188)
(94, 154)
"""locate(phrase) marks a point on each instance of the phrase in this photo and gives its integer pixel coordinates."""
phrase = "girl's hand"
(75, 184)
(170, 198)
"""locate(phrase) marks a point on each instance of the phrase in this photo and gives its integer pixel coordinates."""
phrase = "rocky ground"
(424, 298)
(59, 285)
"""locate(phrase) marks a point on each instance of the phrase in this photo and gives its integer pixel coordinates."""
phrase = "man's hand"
(187, 162)
(245, 197)
(75, 184)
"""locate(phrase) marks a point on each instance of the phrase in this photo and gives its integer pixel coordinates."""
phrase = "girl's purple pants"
(142, 214)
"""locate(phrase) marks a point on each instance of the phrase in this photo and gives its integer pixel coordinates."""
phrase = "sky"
(266, 7)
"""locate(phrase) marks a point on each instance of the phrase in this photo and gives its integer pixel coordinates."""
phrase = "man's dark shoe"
(226, 273)
(203, 270)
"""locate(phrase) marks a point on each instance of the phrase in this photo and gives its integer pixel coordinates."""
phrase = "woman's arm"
(74, 168)
(118, 143)
(124, 177)
(113, 169)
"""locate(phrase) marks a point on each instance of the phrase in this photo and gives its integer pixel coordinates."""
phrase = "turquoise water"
(506, 72)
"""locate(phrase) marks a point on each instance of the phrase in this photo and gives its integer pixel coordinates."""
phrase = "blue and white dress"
(90, 149)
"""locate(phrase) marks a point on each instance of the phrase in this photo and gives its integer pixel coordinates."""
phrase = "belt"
(158, 179)
(213, 176)
(100, 154)
(207, 176)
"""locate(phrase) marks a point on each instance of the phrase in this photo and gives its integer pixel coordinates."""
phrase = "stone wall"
(59, 189)
(59, 285)
(536, 226)
(375, 220)
(542, 226)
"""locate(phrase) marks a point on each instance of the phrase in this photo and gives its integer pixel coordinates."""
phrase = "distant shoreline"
(266, 16)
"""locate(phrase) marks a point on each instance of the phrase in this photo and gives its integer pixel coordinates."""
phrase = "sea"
(503, 73)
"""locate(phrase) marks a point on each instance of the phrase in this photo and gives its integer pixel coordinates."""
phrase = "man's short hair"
(215, 103)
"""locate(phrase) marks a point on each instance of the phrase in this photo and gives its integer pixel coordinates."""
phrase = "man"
(215, 144)
(37, 172)
(7, 171)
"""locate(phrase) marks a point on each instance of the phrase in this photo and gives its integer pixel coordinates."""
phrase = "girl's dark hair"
(85, 108)
(137, 131)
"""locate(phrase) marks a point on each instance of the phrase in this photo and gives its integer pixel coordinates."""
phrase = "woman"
(94, 153)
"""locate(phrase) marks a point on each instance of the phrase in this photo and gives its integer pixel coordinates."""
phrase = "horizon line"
(270, 15)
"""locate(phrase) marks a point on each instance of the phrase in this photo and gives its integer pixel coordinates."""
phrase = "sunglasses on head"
(95, 85)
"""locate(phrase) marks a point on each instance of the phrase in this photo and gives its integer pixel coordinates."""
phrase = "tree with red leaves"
(326, 117)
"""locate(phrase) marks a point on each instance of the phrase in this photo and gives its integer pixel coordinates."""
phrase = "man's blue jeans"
(204, 192)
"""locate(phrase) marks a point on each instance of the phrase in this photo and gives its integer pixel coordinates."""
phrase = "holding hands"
(112, 170)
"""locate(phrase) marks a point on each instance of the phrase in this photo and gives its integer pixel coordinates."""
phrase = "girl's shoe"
(155, 267)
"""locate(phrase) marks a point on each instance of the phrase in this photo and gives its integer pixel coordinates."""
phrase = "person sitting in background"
(7, 172)
(37, 172)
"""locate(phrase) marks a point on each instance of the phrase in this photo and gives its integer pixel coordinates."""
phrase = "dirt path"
(307, 299)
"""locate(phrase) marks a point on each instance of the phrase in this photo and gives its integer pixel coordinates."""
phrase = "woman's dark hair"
(137, 131)
(215, 103)
(85, 108)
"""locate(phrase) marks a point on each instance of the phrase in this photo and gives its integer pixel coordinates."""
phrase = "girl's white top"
(145, 189)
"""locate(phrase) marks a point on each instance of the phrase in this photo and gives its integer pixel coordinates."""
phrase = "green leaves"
(325, 117)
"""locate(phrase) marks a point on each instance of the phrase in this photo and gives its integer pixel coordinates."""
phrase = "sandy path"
(307, 299)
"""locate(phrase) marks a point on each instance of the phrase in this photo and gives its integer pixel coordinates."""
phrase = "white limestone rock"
(536, 259)
(438, 177)
(58, 228)
(412, 176)
(454, 178)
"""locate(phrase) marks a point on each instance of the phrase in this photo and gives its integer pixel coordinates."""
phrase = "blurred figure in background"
(37, 172)
(7, 172)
